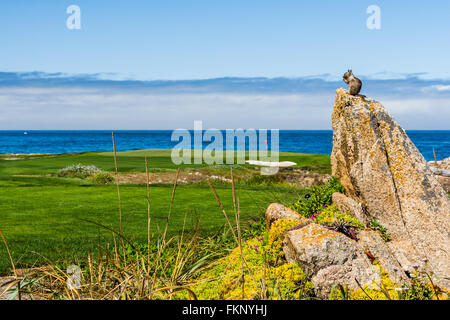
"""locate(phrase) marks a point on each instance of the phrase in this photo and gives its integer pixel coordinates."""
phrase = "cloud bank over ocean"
(37, 100)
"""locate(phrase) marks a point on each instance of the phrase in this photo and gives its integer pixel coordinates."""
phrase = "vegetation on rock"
(330, 216)
(261, 272)
(317, 197)
(375, 225)
(420, 287)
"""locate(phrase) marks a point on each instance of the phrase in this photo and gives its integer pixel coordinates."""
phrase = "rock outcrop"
(329, 258)
(441, 169)
(381, 168)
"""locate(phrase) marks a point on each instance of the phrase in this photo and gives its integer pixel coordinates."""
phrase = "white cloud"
(437, 87)
(47, 108)
(420, 113)
(95, 108)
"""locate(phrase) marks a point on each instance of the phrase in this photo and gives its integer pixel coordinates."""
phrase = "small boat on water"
(25, 133)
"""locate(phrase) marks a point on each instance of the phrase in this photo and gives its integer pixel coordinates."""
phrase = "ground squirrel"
(354, 84)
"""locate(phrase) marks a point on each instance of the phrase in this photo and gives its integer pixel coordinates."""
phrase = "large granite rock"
(382, 169)
(329, 258)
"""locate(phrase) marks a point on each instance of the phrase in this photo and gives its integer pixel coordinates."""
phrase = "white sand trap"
(271, 164)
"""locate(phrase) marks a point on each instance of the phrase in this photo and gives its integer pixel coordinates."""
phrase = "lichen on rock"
(328, 257)
(381, 168)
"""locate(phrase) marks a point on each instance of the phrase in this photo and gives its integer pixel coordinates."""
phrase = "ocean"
(311, 141)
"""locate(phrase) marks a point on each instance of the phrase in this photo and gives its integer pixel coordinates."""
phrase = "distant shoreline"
(107, 151)
(22, 156)
(54, 142)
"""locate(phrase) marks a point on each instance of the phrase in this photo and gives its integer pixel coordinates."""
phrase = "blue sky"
(178, 39)
(136, 41)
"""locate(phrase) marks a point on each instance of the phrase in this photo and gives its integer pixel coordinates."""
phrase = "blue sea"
(319, 141)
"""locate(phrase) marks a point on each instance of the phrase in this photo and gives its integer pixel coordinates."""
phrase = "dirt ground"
(298, 177)
(8, 284)
(168, 177)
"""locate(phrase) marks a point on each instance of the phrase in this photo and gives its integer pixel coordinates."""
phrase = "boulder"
(345, 275)
(277, 211)
(441, 164)
(445, 182)
(440, 172)
(328, 257)
(371, 241)
(348, 205)
(378, 165)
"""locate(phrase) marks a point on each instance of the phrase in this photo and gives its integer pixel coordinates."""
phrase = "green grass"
(132, 161)
(45, 217)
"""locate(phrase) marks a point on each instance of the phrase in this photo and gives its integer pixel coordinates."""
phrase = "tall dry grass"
(165, 267)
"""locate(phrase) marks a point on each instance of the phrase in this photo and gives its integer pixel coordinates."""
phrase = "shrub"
(330, 215)
(317, 198)
(102, 178)
(274, 247)
(78, 171)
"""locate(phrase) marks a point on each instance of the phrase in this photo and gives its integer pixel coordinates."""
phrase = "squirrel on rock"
(354, 84)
